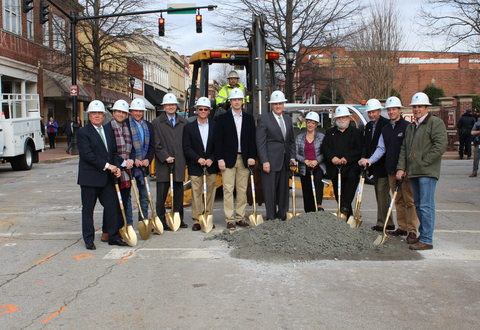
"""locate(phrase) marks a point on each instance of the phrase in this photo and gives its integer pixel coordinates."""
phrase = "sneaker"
(231, 226)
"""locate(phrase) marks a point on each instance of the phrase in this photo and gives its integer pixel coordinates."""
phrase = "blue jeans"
(127, 205)
(144, 202)
(424, 199)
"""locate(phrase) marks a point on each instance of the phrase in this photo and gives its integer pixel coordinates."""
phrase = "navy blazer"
(94, 156)
(226, 141)
(370, 144)
(193, 148)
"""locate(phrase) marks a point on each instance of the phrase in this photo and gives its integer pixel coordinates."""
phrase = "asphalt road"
(48, 280)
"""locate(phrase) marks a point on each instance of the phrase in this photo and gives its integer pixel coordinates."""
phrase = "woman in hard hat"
(309, 156)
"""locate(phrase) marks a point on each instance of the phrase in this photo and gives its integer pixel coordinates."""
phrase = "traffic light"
(43, 12)
(198, 20)
(27, 5)
(161, 27)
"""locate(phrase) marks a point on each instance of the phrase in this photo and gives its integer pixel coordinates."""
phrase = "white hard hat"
(203, 102)
(393, 102)
(373, 104)
(96, 106)
(169, 98)
(233, 74)
(420, 99)
(138, 104)
(121, 105)
(312, 116)
(341, 111)
(236, 93)
(277, 97)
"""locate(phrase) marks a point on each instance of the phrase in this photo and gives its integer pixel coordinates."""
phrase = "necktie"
(282, 126)
(99, 129)
(171, 120)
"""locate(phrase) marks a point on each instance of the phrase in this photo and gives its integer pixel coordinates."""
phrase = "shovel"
(206, 221)
(290, 215)
(127, 232)
(255, 219)
(313, 190)
(381, 239)
(173, 218)
(355, 221)
(154, 220)
(339, 188)
(144, 227)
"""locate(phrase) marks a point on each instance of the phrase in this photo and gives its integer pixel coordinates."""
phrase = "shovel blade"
(131, 236)
(381, 239)
(206, 223)
(259, 219)
(354, 222)
(144, 230)
(173, 220)
(157, 225)
(289, 215)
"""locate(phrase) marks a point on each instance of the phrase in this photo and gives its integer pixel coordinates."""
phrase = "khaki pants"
(406, 216)
(235, 178)
(197, 195)
(382, 194)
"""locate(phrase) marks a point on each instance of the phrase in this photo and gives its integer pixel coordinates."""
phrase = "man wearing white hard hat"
(199, 148)
(389, 145)
(276, 150)
(169, 153)
(420, 160)
(143, 142)
(371, 135)
(235, 151)
(98, 156)
(342, 148)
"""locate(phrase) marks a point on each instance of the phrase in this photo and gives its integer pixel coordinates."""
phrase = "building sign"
(73, 90)
(451, 119)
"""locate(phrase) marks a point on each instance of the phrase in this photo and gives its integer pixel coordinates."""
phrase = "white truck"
(21, 138)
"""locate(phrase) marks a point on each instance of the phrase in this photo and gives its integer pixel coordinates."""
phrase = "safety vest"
(222, 96)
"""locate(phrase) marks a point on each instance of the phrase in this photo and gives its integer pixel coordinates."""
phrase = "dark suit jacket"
(370, 144)
(271, 145)
(94, 156)
(226, 141)
(193, 148)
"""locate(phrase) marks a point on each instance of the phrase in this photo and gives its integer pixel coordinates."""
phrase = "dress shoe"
(118, 242)
(420, 246)
(196, 227)
(398, 232)
(242, 223)
(473, 175)
(345, 210)
(380, 228)
(104, 237)
(321, 209)
(183, 225)
(412, 238)
(90, 246)
(231, 226)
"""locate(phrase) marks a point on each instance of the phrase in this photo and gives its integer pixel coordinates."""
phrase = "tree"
(434, 93)
(328, 96)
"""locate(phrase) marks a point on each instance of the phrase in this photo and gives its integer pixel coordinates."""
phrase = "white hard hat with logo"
(420, 99)
(96, 106)
(121, 105)
(203, 102)
(233, 74)
(236, 93)
(313, 116)
(341, 111)
(393, 102)
(138, 104)
(373, 104)
(277, 97)
(169, 98)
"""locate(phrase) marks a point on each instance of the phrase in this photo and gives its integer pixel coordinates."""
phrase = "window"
(59, 33)
(11, 16)
(46, 34)
(30, 24)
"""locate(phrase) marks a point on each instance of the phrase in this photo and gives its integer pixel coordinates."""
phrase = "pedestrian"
(42, 125)
(464, 125)
(420, 161)
(168, 128)
(276, 150)
(98, 157)
(371, 135)
(199, 148)
(235, 151)
(341, 149)
(52, 129)
(476, 143)
(78, 122)
(123, 138)
(309, 157)
(143, 142)
(68, 131)
(389, 145)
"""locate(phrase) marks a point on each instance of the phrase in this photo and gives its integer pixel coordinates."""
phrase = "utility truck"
(21, 138)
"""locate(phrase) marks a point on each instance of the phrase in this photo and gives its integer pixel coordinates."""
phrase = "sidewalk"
(55, 155)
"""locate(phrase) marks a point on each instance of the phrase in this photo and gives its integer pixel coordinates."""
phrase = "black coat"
(370, 144)
(193, 148)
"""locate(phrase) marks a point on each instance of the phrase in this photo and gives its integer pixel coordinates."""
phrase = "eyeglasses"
(203, 109)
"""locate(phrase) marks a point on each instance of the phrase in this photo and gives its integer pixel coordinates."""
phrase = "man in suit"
(372, 133)
(98, 157)
(198, 145)
(276, 149)
(235, 150)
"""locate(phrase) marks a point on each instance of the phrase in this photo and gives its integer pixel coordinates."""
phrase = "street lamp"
(132, 83)
(169, 90)
(290, 56)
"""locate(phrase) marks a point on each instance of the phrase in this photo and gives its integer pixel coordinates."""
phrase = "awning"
(148, 105)
(58, 85)
(155, 96)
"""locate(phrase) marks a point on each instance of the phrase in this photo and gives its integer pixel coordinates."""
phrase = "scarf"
(124, 147)
(140, 150)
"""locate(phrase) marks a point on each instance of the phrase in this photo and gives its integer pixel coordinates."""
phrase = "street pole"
(288, 48)
(73, 50)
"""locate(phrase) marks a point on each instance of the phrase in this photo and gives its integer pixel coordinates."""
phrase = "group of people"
(233, 145)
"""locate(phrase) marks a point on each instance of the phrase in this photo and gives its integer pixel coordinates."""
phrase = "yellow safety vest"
(222, 96)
